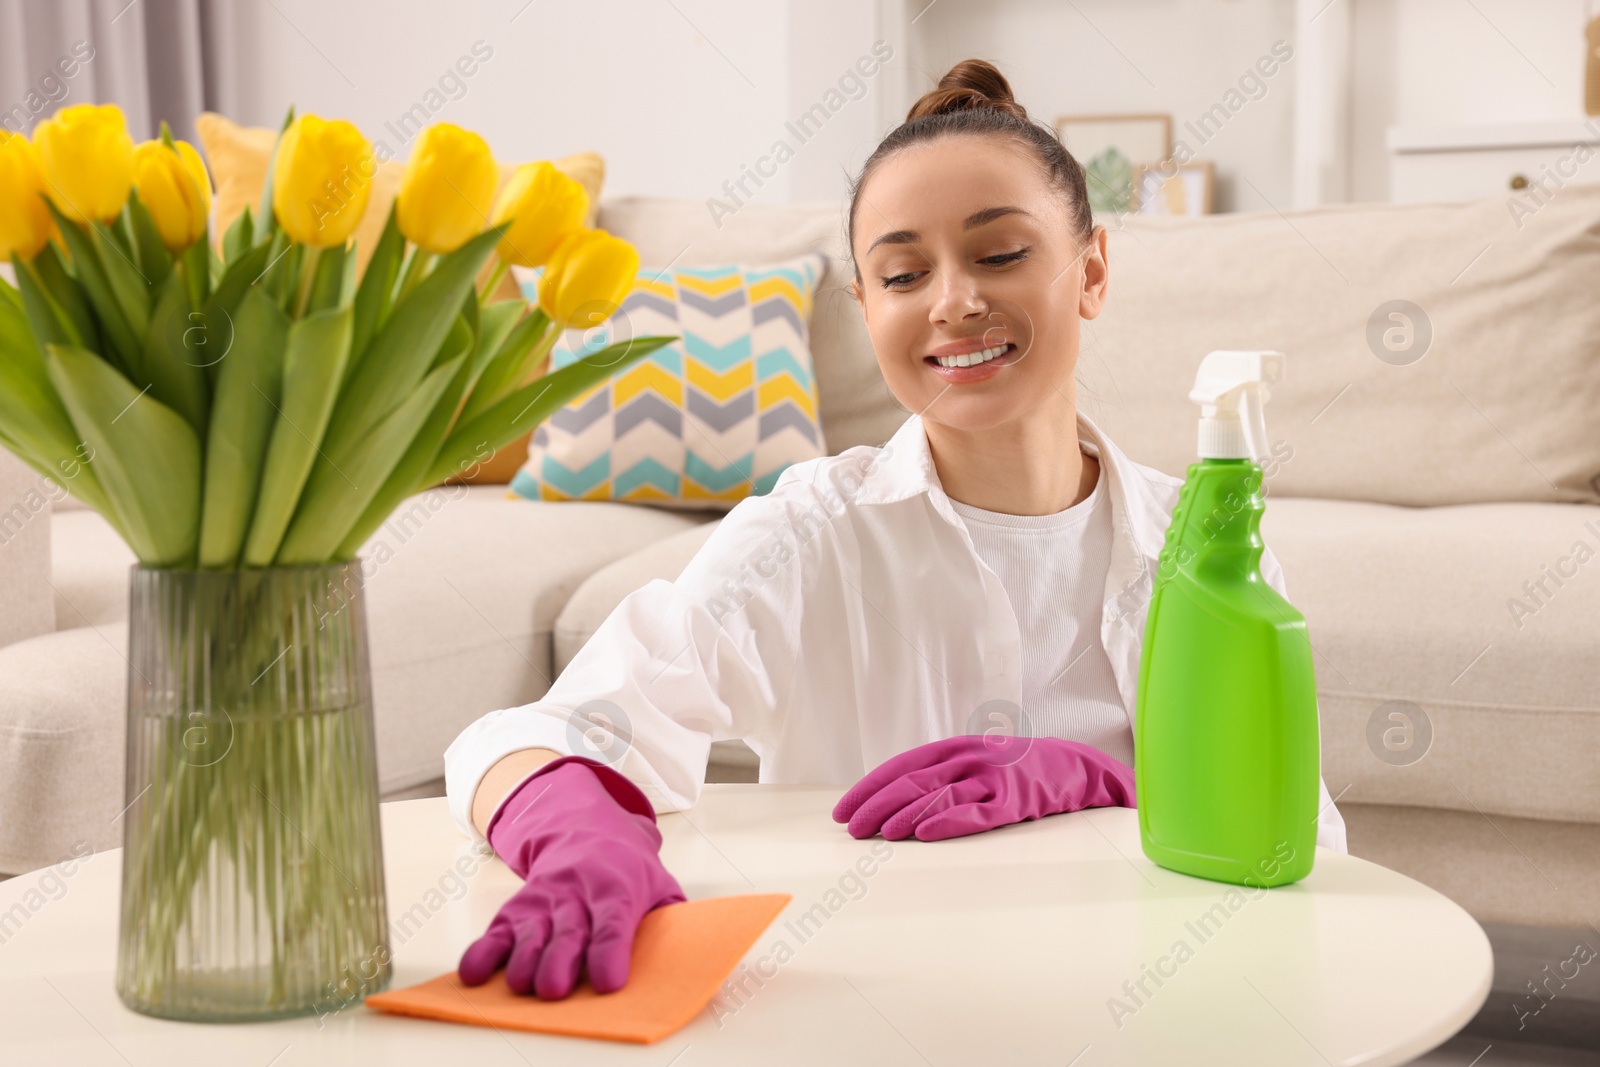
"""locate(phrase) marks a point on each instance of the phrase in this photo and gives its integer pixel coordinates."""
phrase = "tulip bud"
(175, 189)
(447, 189)
(87, 159)
(546, 205)
(321, 179)
(587, 277)
(25, 222)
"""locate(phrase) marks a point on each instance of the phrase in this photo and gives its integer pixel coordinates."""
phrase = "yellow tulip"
(447, 188)
(175, 188)
(587, 277)
(87, 158)
(321, 180)
(25, 222)
(546, 206)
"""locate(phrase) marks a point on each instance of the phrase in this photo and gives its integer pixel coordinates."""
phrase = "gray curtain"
(148, 56)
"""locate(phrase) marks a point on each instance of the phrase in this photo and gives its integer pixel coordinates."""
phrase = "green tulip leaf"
(50, 322)
(129, 285)
(215, 329)
(408, 343)
(495, 324)
(239, 237)
(506, 364)
(197, 262)
(32, 416)
(336, 497)
(527, 407)
(374, 294)
(170, 369)
(327, 283)
(146, 456)
(249, 384)
(402, 481)
(153, 259)
(124, 343)
(66, 291)
(313, 365)
(267, 219)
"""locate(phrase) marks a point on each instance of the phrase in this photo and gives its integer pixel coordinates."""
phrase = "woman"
(960, 610)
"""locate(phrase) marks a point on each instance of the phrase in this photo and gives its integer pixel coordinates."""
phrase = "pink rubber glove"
(970, 783)
(585, 840)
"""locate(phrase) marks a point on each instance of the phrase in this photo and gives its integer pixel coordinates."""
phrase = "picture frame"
(1173, 189)
(1109, 146)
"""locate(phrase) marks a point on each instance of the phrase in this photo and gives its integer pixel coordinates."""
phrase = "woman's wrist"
(503, 779)
(617, 786)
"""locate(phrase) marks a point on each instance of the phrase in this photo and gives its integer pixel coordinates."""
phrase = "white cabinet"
(1463, 162)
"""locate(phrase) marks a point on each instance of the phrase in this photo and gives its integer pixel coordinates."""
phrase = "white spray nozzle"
(1231, 389)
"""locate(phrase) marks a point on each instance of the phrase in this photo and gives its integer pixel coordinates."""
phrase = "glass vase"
(252, 864)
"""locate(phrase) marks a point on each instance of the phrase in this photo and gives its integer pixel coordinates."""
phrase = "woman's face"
(964, 247)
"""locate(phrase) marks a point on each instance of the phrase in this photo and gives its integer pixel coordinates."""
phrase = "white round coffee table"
(1048, 942)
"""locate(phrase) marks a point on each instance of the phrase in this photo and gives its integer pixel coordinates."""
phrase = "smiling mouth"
(972, 359)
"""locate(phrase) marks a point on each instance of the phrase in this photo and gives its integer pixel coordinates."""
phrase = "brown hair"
(974, 97)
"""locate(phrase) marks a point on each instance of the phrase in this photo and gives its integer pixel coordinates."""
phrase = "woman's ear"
(854, 288)
(1095, 271)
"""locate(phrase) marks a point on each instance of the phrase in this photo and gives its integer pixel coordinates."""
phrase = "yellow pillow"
(238, 158)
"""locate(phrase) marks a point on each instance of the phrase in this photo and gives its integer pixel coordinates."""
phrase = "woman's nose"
(958, 299)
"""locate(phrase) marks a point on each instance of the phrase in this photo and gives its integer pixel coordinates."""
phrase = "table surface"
(1008, 947)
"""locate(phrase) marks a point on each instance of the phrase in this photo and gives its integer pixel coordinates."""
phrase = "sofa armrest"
(25, 503)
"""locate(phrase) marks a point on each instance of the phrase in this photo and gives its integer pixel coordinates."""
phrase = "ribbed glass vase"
(252, 866)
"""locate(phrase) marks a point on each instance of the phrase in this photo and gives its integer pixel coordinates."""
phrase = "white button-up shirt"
(839, 619)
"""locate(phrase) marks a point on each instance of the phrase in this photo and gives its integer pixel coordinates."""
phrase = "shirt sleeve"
(675, 666)
(1330, 823)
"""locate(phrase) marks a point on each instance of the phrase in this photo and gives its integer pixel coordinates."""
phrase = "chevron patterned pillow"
(702, 423)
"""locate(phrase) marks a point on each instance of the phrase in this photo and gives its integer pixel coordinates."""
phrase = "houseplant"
(246, 416)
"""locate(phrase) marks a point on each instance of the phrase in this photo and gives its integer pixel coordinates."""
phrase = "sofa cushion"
(26, 499)
(1531, 872)
(89, 566)
(1422, 606)
(603, 590)
(855, 404)
(1475, 624)
(62, 724)
(1436, 353)
(713, 417)
(729, 761)
(463, 594)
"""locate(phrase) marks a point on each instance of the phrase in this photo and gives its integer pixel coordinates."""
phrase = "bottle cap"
(1231, 389)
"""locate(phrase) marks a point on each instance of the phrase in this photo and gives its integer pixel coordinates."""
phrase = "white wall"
(1412, 63)
(1099, 56)
(682, 97)
(678, 97)
(1447, 63)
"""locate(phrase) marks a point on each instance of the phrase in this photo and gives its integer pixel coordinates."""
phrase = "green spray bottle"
(1227, 765)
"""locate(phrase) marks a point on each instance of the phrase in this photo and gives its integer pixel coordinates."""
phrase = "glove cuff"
(620, 788)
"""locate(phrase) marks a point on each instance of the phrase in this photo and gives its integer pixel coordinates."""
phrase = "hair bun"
(970, 84)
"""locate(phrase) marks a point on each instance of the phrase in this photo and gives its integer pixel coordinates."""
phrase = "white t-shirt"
(1053, 568)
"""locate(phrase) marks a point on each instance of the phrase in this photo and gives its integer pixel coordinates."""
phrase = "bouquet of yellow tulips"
(247, 416)
(258, 404)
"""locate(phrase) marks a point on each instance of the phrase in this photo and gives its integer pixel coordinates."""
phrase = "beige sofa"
(1415, 489)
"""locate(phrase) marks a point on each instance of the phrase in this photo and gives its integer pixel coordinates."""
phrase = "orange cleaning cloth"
(682, 953)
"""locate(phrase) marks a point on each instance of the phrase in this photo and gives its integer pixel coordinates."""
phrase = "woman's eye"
(896, 281)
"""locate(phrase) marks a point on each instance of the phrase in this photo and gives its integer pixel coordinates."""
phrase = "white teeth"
(967, 359)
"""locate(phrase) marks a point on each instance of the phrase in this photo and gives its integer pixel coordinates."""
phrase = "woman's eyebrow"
(971, 222)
